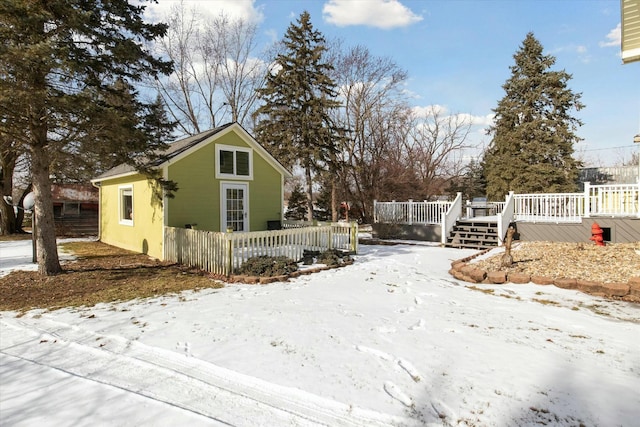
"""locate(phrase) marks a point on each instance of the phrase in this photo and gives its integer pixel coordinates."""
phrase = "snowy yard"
(390, 340)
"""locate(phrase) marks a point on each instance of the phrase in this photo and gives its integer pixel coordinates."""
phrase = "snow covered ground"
(390, 340)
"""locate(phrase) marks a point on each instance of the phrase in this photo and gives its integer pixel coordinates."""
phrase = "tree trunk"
(507, 259)
(7, 213)
(39, 147)
(334, 209)
(307, 172)
(47, 250)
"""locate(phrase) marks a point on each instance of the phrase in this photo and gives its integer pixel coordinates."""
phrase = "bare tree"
(217, 70)
(434, 149)
(393, 151)
(374, 112)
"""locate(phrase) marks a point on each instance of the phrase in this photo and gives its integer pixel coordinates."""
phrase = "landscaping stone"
(467, 270)
(497, 277)
(634, 286)
(459, 275)
(477, 275)
(542, 280)
(616, 289)
(588, 286)
(566, 283)
(519, 278)
(458, 266)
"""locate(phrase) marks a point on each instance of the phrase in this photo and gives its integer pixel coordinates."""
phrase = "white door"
(234, 207)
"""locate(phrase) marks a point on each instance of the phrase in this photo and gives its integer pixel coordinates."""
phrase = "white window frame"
(122, 191)
(234, 149)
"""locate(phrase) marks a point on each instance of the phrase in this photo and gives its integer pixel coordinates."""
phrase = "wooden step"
(472, 234)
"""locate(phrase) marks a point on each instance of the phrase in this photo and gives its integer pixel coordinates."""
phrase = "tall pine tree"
(294, 123)
(60, 63)
(297, 206)
(533, 131)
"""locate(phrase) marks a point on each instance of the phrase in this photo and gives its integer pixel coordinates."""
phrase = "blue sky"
(458, 53)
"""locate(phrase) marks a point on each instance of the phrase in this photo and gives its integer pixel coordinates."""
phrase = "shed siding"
(197, 200)
(145, 235)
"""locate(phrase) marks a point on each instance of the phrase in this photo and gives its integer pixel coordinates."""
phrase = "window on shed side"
(126, 205)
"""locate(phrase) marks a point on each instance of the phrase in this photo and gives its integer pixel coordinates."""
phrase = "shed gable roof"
(186, 146)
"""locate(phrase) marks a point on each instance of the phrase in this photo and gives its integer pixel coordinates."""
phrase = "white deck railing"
(596, 200)
(612, 200)
(223, 253)
(450, 217)
(506, 216)
(620, 200)
(410, 212)
(560, 207)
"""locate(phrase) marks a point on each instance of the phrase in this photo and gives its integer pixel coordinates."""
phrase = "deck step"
(472, 234)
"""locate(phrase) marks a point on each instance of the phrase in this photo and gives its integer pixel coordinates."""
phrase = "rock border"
(463, 270)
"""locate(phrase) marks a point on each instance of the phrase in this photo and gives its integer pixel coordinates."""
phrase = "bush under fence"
(223, 253)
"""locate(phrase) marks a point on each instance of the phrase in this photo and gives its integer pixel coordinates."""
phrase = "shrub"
(268, 266)
(332, 257)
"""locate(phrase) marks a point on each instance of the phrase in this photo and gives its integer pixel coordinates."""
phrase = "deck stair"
(474, 233)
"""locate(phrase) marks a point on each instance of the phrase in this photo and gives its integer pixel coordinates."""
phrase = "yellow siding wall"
(145, 235)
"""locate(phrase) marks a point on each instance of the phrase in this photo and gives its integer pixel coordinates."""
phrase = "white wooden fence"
(410, 212)
(222, 253)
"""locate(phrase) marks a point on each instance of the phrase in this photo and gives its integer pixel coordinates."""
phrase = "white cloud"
(614, 37)
(430, 110)
(244, 9)
(442, 112)
(383, 14)
(486, 120)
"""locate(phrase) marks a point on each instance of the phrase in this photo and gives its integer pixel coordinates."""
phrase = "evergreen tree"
(294, 124)
(472, 184)
(297, 206)
(533, 131)
(66, 68)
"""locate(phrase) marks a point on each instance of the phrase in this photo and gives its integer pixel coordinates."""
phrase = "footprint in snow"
(443, 411)
(381, 354)
(395, 392)
(419, 325)
(410, 369)
(184, 346)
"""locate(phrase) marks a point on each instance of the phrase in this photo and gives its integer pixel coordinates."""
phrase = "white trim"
(223, 204)
(165, 210)
(233, 149)
(631, 55)
(120, 175)
(121, 190)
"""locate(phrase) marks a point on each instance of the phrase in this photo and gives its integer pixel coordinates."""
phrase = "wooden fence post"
(229, 244)
(354, 237)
